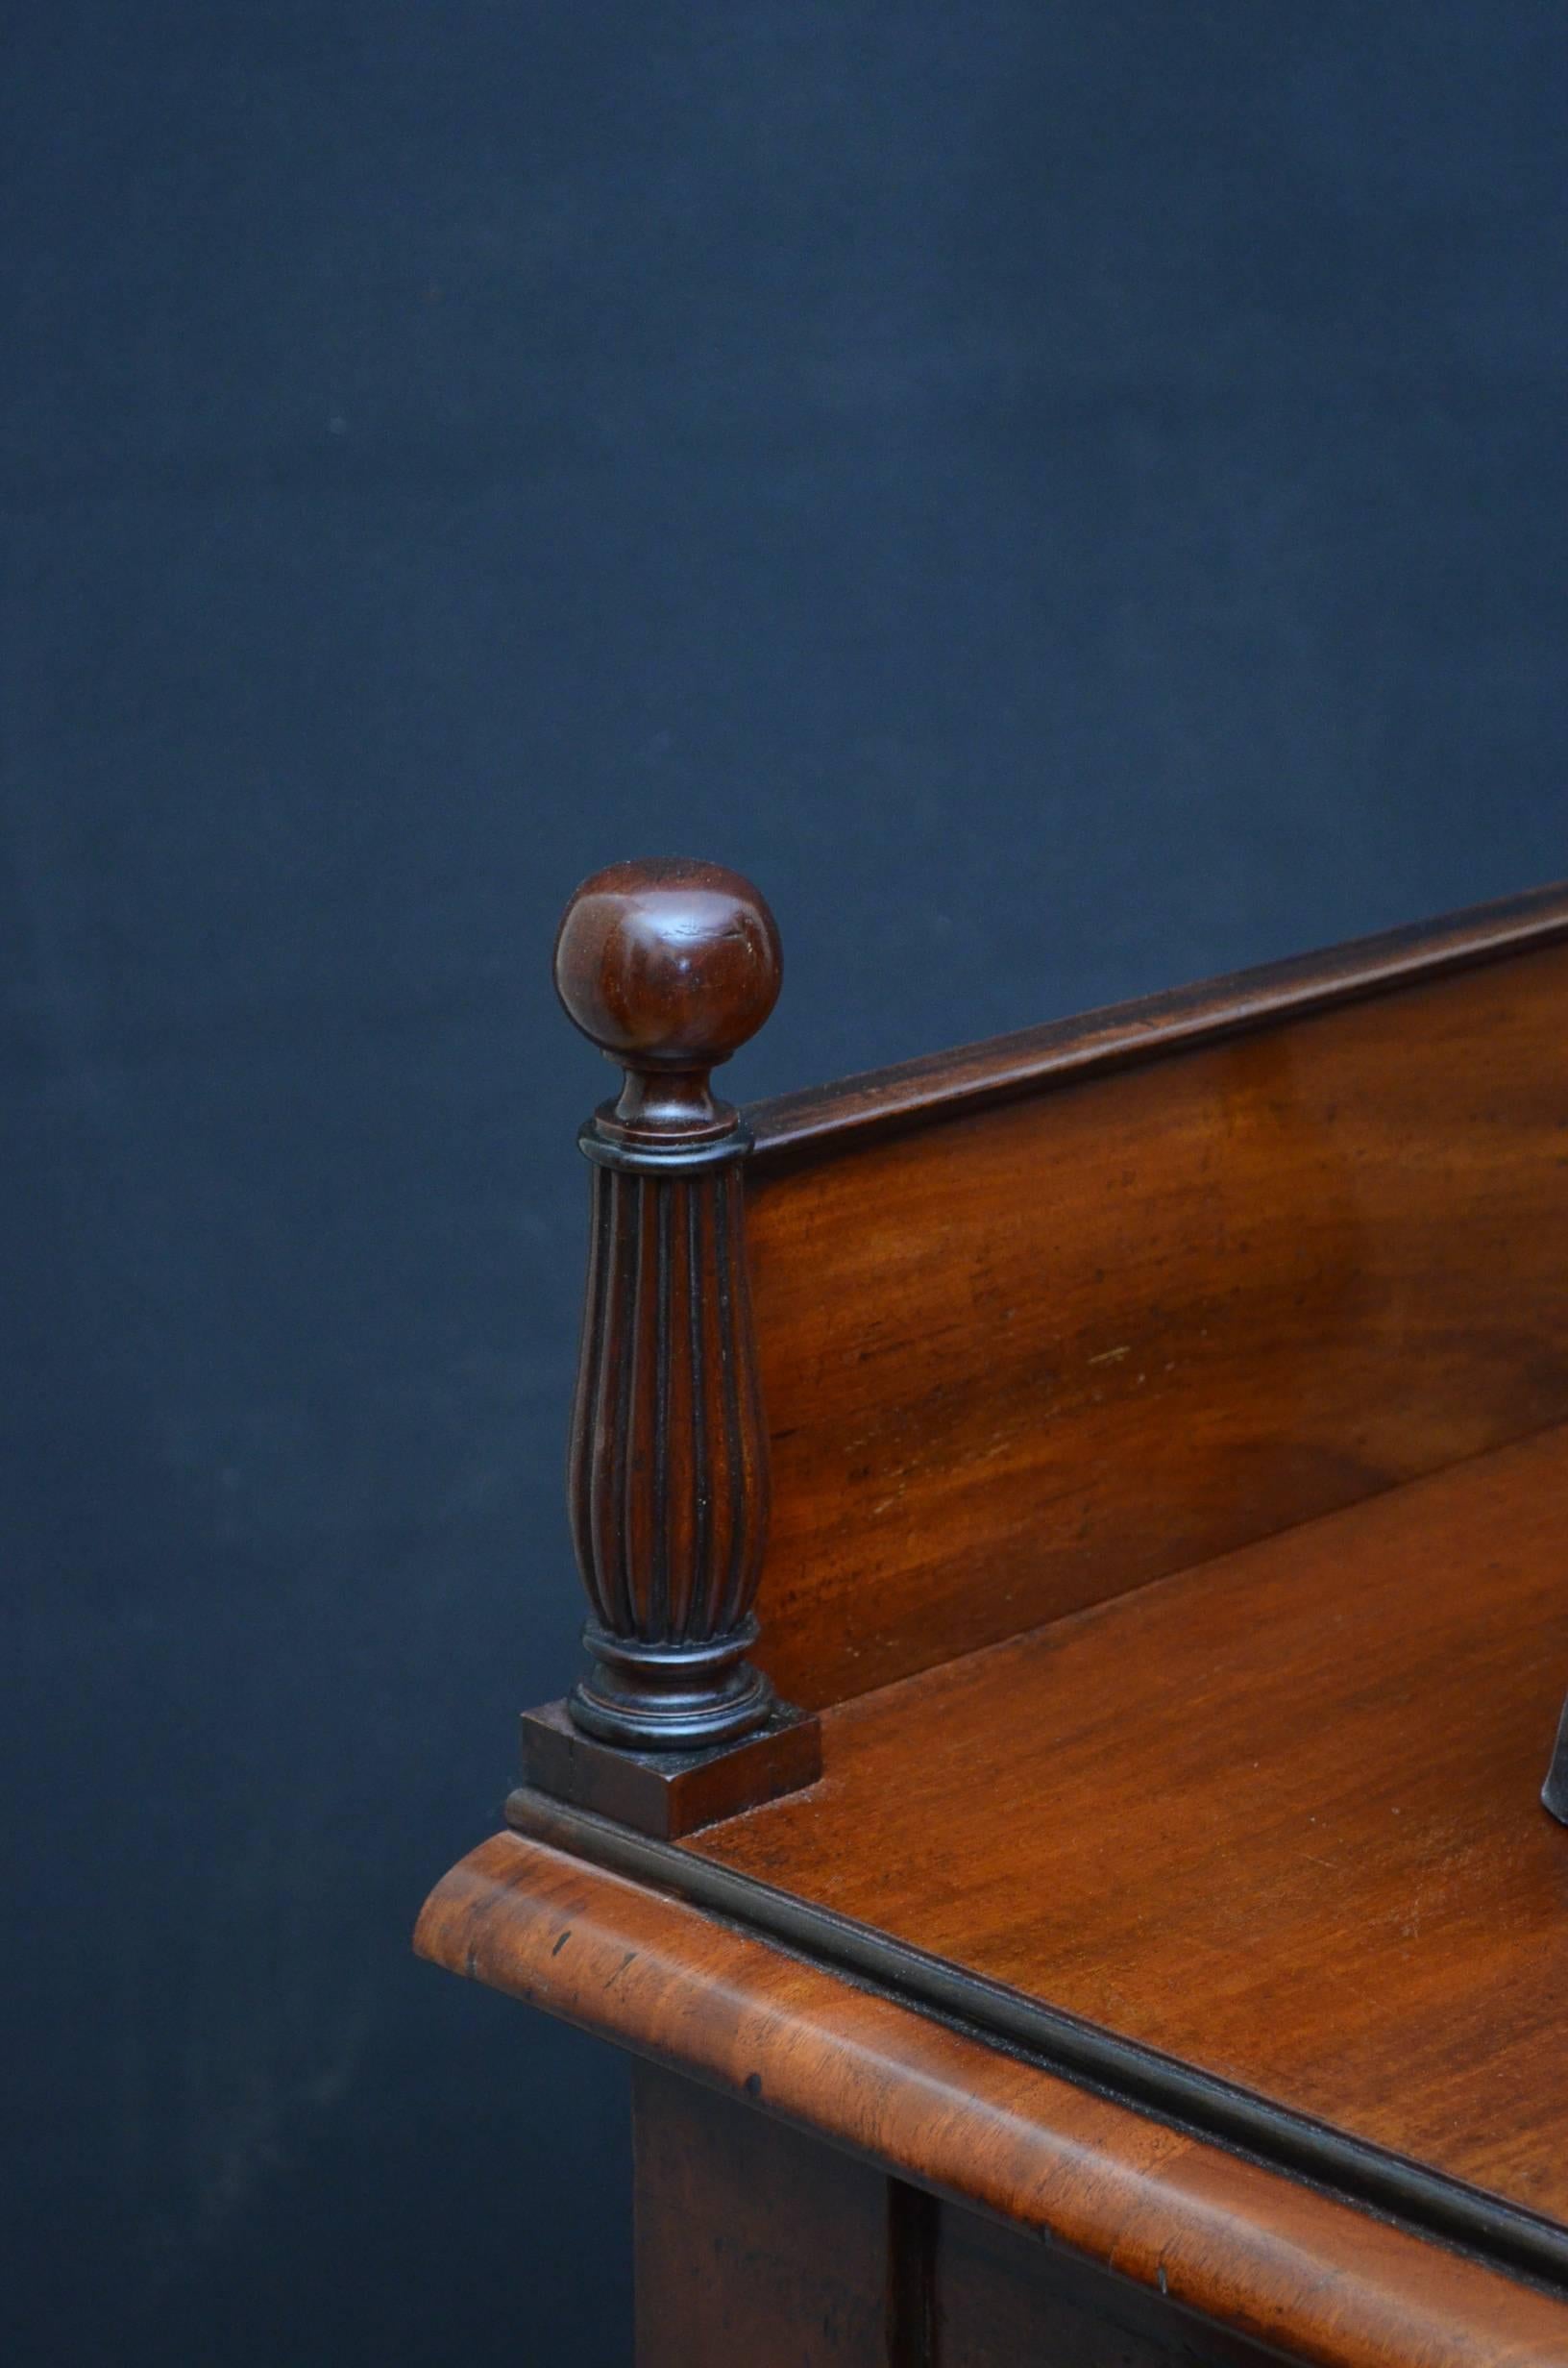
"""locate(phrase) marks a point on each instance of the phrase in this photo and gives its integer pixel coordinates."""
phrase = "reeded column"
(667, 967)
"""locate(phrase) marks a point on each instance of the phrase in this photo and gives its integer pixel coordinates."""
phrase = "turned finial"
(667, 967)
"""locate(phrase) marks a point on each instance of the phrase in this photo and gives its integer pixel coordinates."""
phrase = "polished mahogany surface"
(824, 1122)
(759, 2247)
(667, 967)
(1168, 1416)
(1278, 1816)
(1021, 1361)
(1198, 2226)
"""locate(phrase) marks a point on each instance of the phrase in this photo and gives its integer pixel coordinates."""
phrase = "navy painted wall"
(1069, 496)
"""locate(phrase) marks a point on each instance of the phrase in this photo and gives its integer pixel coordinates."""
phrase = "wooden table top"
(1204, 2229)
(1277, 1816)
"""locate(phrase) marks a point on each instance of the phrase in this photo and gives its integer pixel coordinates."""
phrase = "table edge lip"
(1492, 2228)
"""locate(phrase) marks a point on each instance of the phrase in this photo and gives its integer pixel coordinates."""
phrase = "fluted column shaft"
(668, 1466)
(667, 967)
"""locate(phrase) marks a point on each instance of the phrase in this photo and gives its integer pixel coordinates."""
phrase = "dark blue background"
(1070, 497)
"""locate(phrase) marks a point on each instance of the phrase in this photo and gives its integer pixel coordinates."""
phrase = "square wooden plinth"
(669, 1794)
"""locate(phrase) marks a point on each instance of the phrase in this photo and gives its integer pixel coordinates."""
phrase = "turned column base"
(669, 1697)
(669, 1794)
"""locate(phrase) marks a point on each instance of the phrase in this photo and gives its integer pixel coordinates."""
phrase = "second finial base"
(1554, 1791)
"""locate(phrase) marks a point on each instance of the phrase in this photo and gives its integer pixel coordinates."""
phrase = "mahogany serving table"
(1075, 1882)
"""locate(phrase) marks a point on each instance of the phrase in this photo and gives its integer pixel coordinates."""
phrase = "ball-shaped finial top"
(670, 964)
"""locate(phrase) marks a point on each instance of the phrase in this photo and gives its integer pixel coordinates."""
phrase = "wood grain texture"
(1271, 2261)
(824, 1122)
(758, 2245)
(1030, 1357)
(1278, 1817)
(753, 2243)
(1002, 2300)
